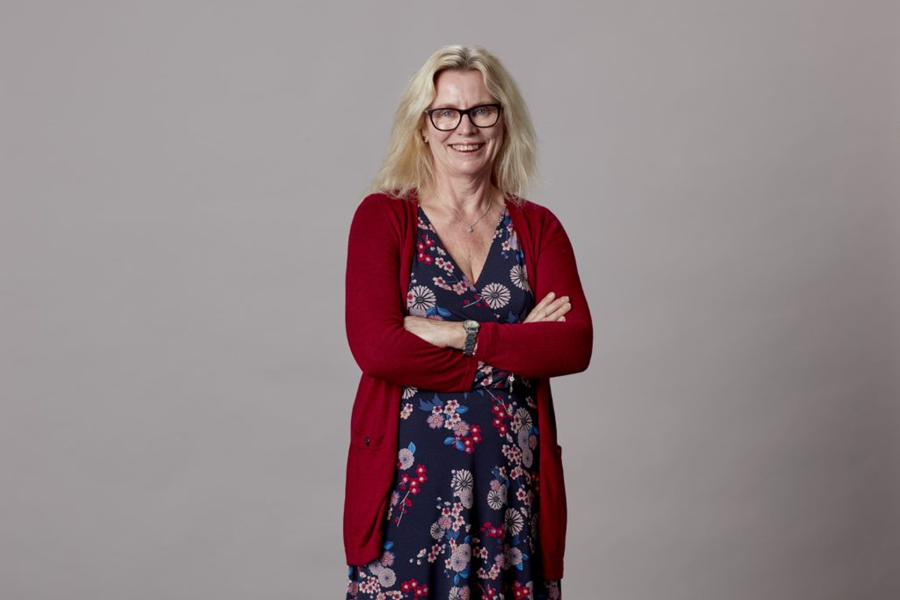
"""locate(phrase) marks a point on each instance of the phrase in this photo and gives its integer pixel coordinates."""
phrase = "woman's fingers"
(538, 308)
(546, 300)
(543, 308)
(559, 311)
(549, 309)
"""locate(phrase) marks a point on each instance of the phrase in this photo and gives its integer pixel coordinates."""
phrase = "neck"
(471, 199)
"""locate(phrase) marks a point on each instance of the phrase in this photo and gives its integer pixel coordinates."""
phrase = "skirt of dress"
(462, 522)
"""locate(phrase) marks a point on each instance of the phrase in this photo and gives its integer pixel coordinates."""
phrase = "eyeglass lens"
(449, 118)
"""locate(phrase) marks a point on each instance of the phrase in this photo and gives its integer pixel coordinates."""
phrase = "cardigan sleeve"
(547, 348)
(374, 310)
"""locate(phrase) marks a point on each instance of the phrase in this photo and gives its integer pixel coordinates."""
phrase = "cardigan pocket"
(370, 473)
(562, 492)
(553, 506)
(371, 440)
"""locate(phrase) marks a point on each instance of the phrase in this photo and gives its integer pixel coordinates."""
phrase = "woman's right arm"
(374, 311)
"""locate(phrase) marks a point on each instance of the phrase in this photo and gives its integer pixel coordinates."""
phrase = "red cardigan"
(379, 259)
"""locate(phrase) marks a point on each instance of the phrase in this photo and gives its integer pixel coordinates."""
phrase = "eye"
(446, 113)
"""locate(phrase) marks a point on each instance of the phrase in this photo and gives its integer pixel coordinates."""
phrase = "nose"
(466, 125)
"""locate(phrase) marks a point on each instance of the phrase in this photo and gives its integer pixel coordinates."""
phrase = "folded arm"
(545, 348)
(374, 311)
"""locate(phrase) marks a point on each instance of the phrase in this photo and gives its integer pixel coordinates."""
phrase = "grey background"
(177, 184)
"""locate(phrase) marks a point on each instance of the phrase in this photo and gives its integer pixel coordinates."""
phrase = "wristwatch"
(471, 326)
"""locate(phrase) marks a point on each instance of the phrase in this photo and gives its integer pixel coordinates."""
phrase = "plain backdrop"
(175, 384)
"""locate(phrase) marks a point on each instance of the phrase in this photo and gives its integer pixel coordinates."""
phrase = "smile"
(466, 147)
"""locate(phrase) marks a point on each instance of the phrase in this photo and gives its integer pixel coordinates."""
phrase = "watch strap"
(471, 337)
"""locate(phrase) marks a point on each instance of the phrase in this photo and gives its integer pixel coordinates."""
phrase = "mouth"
(467, 148)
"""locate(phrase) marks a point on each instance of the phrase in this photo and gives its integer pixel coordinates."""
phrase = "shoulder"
(379, 213)
(540, 218)
(380, 202)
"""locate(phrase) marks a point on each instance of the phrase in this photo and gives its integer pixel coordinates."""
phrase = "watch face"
(470, 324)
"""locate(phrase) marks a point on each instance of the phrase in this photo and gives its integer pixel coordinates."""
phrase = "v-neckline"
(490, 251)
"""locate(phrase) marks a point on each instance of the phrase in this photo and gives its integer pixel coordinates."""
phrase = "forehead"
(460, 89)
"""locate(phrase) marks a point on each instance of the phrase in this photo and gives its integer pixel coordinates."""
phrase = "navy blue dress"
(462, 522)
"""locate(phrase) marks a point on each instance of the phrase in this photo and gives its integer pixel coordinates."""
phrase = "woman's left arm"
(545, 348)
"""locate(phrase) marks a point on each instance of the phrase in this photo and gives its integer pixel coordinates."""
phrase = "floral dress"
(463, 516)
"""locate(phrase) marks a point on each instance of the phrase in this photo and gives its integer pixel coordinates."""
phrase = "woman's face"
(462, 89)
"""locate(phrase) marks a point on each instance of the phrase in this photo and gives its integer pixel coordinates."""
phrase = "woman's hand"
(550, 308)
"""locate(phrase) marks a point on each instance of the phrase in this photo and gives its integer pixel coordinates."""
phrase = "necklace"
(471, 228)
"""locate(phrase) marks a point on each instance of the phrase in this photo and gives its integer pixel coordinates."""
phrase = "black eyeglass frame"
(430, 112)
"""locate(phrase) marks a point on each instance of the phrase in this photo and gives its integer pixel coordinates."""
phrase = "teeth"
(466, 147)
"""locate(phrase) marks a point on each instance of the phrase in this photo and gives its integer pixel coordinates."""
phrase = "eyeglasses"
(448, 119)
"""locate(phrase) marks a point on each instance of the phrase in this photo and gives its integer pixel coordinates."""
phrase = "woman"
(454, 483)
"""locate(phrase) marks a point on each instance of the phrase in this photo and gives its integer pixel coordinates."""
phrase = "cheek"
(496, 139)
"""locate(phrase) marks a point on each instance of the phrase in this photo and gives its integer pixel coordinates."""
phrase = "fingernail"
(551, 294)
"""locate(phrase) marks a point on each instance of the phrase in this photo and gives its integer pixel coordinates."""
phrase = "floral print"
(463, 513)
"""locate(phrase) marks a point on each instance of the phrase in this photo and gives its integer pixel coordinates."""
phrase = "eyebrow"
(481, 103)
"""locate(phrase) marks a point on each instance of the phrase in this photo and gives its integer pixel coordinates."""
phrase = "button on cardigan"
(380, 251)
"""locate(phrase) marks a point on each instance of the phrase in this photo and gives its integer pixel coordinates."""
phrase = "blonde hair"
(408, 163)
